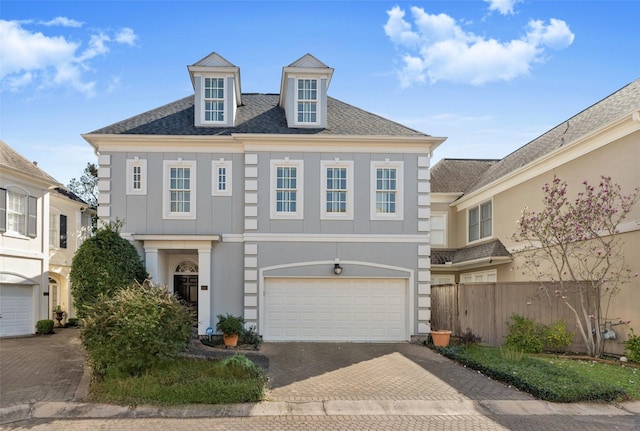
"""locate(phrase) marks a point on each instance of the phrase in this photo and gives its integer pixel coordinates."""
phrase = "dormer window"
(214, 100)
(307, 101)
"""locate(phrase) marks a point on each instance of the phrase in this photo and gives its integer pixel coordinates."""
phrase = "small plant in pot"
(231, 327)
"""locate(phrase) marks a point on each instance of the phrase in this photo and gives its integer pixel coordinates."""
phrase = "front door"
(186, 287)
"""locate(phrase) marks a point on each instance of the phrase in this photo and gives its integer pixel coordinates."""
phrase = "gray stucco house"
(305, 215)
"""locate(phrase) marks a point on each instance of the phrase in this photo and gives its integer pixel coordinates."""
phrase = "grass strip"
(541, 378)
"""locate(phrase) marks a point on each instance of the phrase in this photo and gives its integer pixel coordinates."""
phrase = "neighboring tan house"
(307, 216)
(41, 226)
(475, 203)
(69, 224)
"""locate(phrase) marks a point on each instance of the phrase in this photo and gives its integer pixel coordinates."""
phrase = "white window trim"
(399, 214)
(324, 214)
(24, 194)
(473, 275)
(225, 114)
(317, 102)
(446, 228)
(450, 279)
(215, 184)
(299, 214)
(166, 199)
(142, 164)
(478, 207)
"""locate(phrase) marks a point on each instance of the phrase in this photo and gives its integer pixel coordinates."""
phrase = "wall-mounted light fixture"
(337, 269)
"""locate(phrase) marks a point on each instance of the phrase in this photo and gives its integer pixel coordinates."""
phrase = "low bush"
(137, 327)
(511, 355)
(251, 338)
(468, 338)
(524, 334)
(632, 347)
(71, 322)
(538, 377)
(557, 338)
(44, 326)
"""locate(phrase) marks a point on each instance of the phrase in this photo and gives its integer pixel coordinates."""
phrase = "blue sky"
(489, 75)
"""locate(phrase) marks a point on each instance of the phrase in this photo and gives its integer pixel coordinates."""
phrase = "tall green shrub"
(103, 263)
(139, 325)
(525, 335)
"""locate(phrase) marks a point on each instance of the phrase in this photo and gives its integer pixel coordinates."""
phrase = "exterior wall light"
(337, 269)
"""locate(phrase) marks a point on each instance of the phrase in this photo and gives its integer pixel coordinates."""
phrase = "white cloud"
(438, 49)
(30, 58)
(504, 7)
(63, 22)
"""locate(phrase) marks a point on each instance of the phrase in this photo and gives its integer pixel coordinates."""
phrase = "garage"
(345, 309)
(16, 310)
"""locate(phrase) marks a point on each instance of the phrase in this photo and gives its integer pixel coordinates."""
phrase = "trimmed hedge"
(535, 376)
(44, 326)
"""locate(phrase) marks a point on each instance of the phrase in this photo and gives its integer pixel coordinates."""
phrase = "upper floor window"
(179, 197)
(490, 276)
(18, 213)
(337, 192)
(214, 100)
(286, 189)
(221, 178)
(136, 177)
(57, 229)
(307, 101)
(438, 230)
(480, 221)
(386, 190)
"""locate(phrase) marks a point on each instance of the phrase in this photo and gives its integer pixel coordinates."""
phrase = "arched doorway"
(54, 295)
(185, 282)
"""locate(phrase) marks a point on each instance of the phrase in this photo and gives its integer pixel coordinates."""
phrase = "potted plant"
(440, 338)
(231, 327)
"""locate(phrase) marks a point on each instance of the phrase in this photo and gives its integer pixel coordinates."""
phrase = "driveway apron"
(374, 371)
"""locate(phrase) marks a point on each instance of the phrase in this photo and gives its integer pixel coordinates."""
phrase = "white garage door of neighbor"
(15, 311)
(335, 309)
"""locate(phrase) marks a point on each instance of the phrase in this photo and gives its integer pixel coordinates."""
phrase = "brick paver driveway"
(374, 371)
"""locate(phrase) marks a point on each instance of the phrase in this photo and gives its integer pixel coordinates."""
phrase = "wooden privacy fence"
(485, 308)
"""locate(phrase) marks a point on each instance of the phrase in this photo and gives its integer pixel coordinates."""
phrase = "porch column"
(151, 264)
(204, 289)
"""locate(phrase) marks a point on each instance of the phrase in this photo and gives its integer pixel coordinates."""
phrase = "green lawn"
(553, 378)
(185, 381)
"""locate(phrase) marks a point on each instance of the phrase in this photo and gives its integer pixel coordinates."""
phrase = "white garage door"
(15, 311)
(335, 309)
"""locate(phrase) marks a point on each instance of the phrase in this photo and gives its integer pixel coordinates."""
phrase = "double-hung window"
(221, 178)
(179, 197)
(337, 191)
(307, 101)
(18, 213)
(438, 230)
(286, 189)
(214, 100)
(136, 177)
(386, 190)
(480, 221)
(57, 229)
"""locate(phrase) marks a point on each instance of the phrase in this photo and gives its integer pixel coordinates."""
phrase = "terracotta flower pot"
(440, 338)
(230, 340)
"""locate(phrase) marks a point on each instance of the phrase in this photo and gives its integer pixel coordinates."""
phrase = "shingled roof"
(457, 175)
(12, 160)
(490, 249)
(609, 109)
(259, 113)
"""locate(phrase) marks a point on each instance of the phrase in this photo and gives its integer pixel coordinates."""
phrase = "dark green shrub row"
(44, 326)
(535, 376)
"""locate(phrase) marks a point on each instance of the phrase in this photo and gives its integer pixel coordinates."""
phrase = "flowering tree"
(574, 248)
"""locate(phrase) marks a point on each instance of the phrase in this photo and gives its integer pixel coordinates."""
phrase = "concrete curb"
(67, 410)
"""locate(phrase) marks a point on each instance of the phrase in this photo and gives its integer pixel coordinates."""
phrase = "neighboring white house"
(41, 226)
(304, 214)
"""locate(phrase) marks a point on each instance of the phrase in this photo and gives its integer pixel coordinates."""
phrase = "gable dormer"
(216, 83)
(303, 92)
